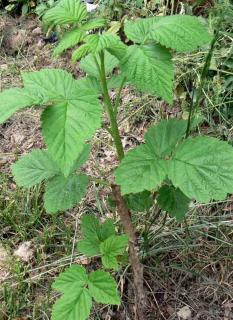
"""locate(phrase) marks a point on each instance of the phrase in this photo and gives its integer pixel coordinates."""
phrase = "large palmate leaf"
(69, 40)
(72, 118)
(33, 168)
(12, 100)
(202, 168)
(179, 32)
(150, 68)
(102, 288)
(63, 193)
(173, 201)
(144, 168)
(140, 201)
(65, 12)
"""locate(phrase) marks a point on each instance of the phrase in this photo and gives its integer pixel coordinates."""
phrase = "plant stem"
(112, 116)
(204, 72)
(123, 211)
(137, 267)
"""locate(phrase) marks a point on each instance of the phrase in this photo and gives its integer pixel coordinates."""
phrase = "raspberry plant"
(172, 165)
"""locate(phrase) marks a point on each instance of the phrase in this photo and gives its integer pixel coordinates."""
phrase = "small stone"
(37, 31)
(184, 313)
(40, 43)
(24, 251)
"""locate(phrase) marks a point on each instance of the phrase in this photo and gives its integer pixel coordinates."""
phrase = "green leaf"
(69, 40)
(73, 306)
(150, 69)
(144, 168)
(66, 12)
(164, 136)
(92, 83)
(93, 234)
(88, 64)
(72, 118)
(83, 157)
(111, 248)
(173, 201)
(71, 279)
(64, 193)
(202, 168)
(107, 229)
(140, 201)
(179, 32)
(99, 42)
(94, 24)
(103, 288)
(81, 52)
(89, 247)
(12, 100)
(33, 168)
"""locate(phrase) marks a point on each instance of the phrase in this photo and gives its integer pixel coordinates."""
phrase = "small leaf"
(12, 100)
(107, 229)
(90, 227)
(69, 40)
(33, 168)
(150, 69)
(111, 248)
(71, 279)
(103, 288)
(89, 247)
(173, 201)
(140, 201)
(94, 24)
(66, 12)
(64, 193)
(81, 52)
(75, 305)
(99, 42)
(88, 64)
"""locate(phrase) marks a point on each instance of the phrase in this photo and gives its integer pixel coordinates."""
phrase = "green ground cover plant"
(171, 166)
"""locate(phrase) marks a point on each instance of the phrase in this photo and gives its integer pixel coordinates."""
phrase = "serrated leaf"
(93, 233)
(33, 168)
(12, 100)
(140, 201)
(103, 288)
(109, 262)
(179, 32)
(83, 157)
(114, 245)
(202, 168)
(81, 52)
(64, 193)
(107, 229)
(88, 64)
(68, 124)
(99, 42)
(115, 81)
(111, 248)
(65, 12)
(164, 136)
(173, 201)
(150, 69)
(144, 168)
(71, 279)
(73, 306)
(69, 40)
(94, 24)
(89, 247)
